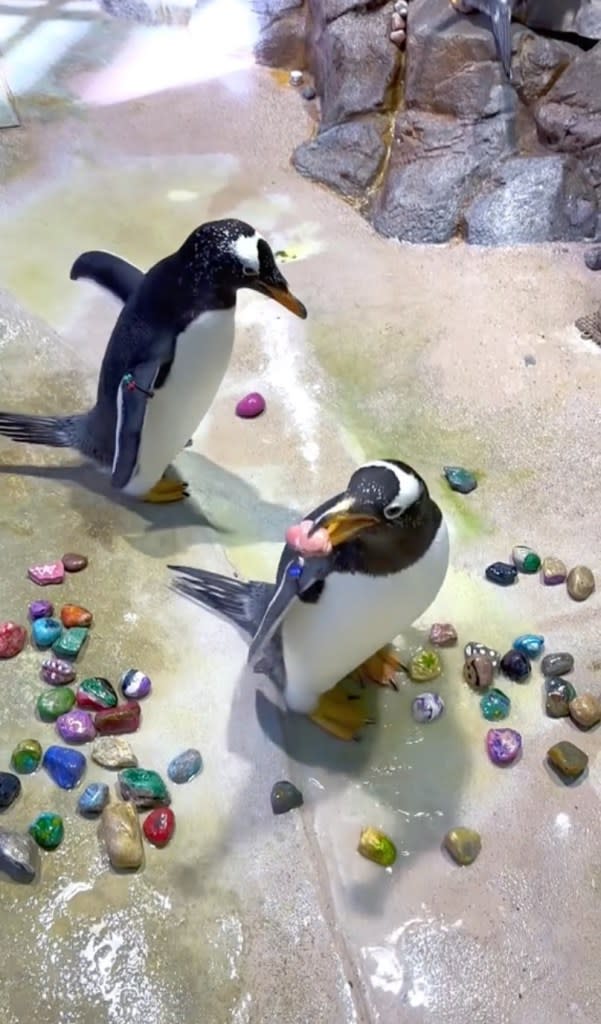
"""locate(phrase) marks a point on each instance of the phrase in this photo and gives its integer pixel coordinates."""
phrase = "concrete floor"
(131, 137)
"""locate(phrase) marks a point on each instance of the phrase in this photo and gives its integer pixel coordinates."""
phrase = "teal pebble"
(529, 644)
(495, 705)
(46, 631)
(460, 479)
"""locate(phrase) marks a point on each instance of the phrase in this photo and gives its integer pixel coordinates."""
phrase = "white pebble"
(401, 7)
(397, 22)
(296, 78)
(397, 36)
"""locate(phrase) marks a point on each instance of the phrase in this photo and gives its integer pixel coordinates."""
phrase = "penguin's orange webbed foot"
(341, 714)
(166, 491)
(381, 668)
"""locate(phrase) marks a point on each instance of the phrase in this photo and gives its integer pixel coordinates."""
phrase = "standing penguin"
(166, 356)
(499, 12)
(327, 616)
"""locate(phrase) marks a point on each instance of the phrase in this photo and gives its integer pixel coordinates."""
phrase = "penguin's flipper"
(290, 586)
(135, 391)
(116, 275)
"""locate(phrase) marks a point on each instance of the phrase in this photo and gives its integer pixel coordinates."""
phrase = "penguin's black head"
(380, 493)
(233, 255)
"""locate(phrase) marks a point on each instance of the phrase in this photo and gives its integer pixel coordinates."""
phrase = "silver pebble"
(401, 7)
(296, 78)
(427, 707)
(19, 857)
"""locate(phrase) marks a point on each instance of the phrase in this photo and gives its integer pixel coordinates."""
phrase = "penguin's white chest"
(202, 355)
(355, 616)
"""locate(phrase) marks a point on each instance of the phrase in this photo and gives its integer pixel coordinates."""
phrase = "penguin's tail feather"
(239, 602)
(55, 431)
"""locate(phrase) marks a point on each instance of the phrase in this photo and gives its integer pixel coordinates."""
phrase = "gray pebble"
(592, 258)
(185, 766)
(557, 664)
(19, 857)
(309, 93)
(285, 797)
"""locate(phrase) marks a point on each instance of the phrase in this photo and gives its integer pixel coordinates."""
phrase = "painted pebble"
(40, 610)
(185, 766)
(530, 644)
(113, 752)
(250, 406)
(47, 830)
(159, 826)
(495, 705)
(427, 707)
(478, 672)
(554, 571)
(285, 797)
(424, 666)
(463, 844)
(93, 800)
(12, 639)
(53, 703)
(559, 694)
(525, 559)
(76, 726)
(476, 650)
(443, 634)
(48, 574)
(45, 632)
(122, 835)
(124, 718)
(585, 710)
(26, 757)
(458, 478)
(74, 562)
(501, 573)
(135, 684)
(75, 615)
(144, 787)
(65, 766)
(96, 694)
(10, 787)
(71, 642)
(557, 664)
(503, 745)
(19, 856)
(377, 847)
(580, 583)
(568, 760)
(515, 666)
(296, 78)
(57, 672)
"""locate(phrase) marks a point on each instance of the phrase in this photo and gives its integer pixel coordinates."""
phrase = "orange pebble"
(75, 615)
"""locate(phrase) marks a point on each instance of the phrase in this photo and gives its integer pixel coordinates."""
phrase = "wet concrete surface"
(436, 356)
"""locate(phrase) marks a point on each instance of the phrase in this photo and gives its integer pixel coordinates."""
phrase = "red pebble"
(12, 639)
(159, 825)
(115, 721)
(318, 543)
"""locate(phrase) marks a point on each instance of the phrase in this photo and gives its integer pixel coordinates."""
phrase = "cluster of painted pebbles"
(579, 581)
(88, 712)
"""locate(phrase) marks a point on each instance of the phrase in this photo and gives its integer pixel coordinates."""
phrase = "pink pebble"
(52, 572)
(319, 543)
(250, 406)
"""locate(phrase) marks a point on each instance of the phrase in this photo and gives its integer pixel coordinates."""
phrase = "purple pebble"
(504, 745)
(40, 610)
(76, 726)
(135, 684)
(250, 406)
(57, 672)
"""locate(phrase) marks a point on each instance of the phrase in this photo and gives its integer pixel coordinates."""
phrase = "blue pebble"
(65, 766)
(501, 573)
(185, 766)
(46, 631)
(94, 798)
(460, 479)
(530, 644)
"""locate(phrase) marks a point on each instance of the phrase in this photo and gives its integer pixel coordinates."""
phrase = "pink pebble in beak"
(319, 543)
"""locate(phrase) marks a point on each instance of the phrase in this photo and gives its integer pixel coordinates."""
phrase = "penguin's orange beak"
(285, 298)
(342, 524)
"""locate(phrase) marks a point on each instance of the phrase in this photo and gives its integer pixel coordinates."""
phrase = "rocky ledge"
(419, 126)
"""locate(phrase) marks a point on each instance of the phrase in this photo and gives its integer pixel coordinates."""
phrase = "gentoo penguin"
(326, 617)
(499, 12)
(166, 356)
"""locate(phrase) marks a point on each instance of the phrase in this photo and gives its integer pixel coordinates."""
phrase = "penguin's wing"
(116, 275)
(135, 391)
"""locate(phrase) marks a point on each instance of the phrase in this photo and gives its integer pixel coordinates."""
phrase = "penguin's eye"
(249, 271)
(393, 511)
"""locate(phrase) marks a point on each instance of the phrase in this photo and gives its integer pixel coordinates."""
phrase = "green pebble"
(47, 830)
(559, 695)
(531, 563)
(377, 847)
(71, 642)
(463, 844)
(53, 703)
(495, 705)
(26, 757)
(568, 760)
(144, 787)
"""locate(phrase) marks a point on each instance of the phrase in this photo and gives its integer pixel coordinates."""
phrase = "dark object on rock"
(308, 93)
(460, 480)
(592, 258)
(73, 562)
(10, 787)
(346, 157)
(285, 797)
(501, 573)
(557, 664)
(568, 761)
(515, 666)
